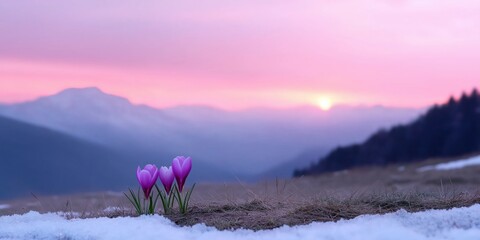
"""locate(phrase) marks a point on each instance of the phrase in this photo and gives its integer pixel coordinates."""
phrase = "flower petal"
(144, 178)
(177, 167)
(138, 174)
(151, 168)
(187, 166)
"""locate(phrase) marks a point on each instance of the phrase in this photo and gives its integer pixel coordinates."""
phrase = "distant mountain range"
(227, 143)
(448, 130)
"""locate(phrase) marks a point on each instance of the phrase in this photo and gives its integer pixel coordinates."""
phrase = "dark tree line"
(447, 130)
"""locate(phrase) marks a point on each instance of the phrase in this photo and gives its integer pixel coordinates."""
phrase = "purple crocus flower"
(147, 178)
(181, 167)
(166, 177)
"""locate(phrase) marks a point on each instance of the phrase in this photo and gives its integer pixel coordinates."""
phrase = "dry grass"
(270, 204)
(258, 215)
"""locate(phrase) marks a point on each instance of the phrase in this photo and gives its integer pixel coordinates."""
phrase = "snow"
(458, 223)
(114, 209)
(452, 165)
(4, 206)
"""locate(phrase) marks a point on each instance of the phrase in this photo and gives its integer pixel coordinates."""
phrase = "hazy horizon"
(312, 106)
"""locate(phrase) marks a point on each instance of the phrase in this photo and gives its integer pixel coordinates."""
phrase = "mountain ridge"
(448, 130)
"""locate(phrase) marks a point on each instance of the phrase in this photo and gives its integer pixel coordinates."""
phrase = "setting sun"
(324, 103)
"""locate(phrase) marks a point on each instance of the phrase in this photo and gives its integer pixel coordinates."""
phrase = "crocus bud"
(147, 178)
(181, 167)
(167, 178)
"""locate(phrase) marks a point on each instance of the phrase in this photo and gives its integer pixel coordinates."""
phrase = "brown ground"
(271, 204)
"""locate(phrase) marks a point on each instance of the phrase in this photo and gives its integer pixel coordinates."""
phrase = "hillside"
(38, 160)
(447, 130)
(41, 161)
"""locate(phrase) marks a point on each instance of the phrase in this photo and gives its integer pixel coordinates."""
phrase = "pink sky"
(238, 54)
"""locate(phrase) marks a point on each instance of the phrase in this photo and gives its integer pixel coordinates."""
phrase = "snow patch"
(69, 214)
(458, 164)
(457, 223)
(115, 209)
(4, 206)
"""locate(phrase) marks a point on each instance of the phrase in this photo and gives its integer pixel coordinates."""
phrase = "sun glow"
(324, 103)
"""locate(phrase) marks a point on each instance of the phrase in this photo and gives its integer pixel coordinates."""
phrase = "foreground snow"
(453, 164)
(459, 223)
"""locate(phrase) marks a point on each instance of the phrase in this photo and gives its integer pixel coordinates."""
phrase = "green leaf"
(171, 199)
(187, 198)
(135, 202)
